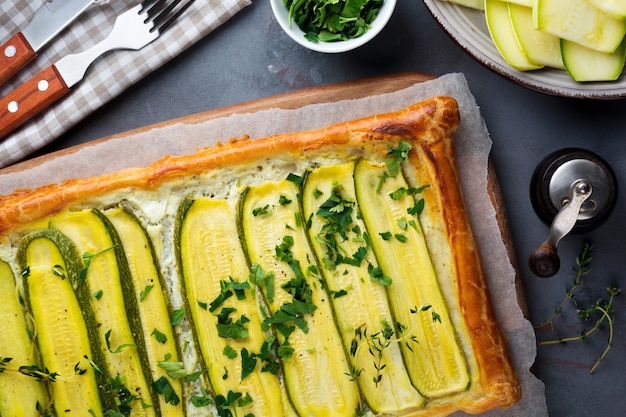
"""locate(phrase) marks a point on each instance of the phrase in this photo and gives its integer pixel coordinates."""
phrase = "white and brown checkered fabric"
(113, 73)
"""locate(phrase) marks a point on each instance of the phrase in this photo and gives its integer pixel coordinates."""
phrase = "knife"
(132, 30)
(50, 19)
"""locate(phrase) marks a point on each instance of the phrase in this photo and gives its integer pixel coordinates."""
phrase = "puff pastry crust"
(429, 126)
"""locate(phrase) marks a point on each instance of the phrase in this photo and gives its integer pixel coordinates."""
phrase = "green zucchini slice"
(317, 371)
(20, 395)
(108, 279)
(224, 311)
(431, 351)
(363, 313)
(152, 305)
(52, 291)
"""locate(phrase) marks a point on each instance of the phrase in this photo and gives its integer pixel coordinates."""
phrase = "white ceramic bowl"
(468, 29)
(282, 16)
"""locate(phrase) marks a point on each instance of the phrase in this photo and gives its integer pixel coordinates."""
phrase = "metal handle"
(544, 261)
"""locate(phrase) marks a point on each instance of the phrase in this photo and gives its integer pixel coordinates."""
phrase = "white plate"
(467, 27)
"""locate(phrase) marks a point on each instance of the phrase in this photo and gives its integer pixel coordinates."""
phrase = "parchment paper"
(472, 149)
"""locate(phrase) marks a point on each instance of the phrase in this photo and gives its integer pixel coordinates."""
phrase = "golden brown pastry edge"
(430, 126)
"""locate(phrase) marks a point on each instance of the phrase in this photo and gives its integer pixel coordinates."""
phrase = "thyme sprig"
(581, 268)
(33, 371)
(377, 343)
(87, 257)
(381, 340)
(601, 308)
(3, 363)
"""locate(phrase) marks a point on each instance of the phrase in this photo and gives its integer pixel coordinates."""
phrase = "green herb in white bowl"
(332, 25)
(333, 20)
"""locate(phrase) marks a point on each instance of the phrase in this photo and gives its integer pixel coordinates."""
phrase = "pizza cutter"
(572, 190)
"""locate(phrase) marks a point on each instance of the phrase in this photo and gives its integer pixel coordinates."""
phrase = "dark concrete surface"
(250, 57)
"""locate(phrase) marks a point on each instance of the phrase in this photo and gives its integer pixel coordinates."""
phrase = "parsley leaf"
(160, 337)
(248, 363)
(163, 387)
(201, 400)
(377, 275)
(333, 20)
(145, 292)
(296, 179)
(260, 278)
(178, 316)
(228, 328)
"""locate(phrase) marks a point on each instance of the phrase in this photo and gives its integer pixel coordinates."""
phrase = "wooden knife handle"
(544, 261)
(31, 98)
(14, 55)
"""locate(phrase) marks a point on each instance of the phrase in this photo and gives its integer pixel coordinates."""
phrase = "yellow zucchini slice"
(316, 373)
(51, 268)
(474, 4)
(431, 351)
(363, 313)
(224, 311)
(152, 302)
(20, 395)
(581, 22)
(616, 8)
(504, 37)
(120, 334)
(540, 47)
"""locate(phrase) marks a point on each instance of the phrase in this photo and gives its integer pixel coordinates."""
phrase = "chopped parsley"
(333, 20)
(376, 274)
(229, 328)
(229, 352)
(227, 290)
(338, 227)
(178, 316)
(248, 363)
(296, 179)
(144, 292)
(260, 278)
(396, 157)
(176, 369)
(226, 405)
(400, 237)
(160, 337)
(283, 201)
(261, 211)
(163, 387)
(201, 400)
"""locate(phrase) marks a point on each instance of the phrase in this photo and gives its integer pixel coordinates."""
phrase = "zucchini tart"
(323, 273)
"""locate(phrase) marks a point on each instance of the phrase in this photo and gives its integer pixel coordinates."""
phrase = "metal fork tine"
(154, 7)
(162, 14)
(161, 24)
(149, 4)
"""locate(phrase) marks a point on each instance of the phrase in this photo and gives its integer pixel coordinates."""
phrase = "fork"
(133, 30)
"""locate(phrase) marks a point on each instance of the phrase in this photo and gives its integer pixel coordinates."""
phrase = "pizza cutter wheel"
(572, 190)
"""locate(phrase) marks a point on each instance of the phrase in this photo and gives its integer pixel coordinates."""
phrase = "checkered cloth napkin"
(110, 76)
